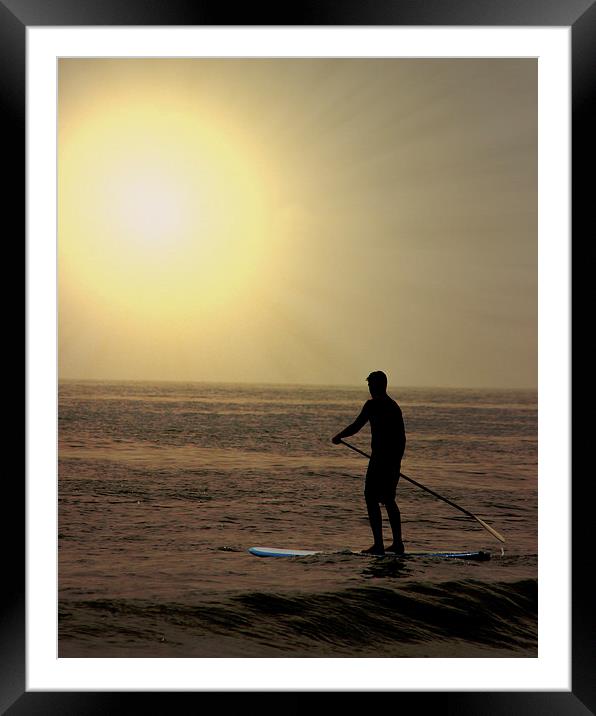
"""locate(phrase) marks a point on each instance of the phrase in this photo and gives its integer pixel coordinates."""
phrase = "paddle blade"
(491, 530)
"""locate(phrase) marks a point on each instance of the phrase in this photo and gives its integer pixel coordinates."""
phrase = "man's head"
(377, 383)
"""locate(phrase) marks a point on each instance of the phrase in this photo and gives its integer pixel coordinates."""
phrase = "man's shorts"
(381, 481)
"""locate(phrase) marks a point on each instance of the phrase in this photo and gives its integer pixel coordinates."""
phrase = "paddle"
(457, 507)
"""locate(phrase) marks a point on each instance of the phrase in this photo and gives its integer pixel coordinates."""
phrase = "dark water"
(164, 486)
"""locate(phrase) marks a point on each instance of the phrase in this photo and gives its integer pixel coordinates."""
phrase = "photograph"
(298, 354)
(257, 260)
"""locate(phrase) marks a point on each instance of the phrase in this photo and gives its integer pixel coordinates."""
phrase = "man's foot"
(375, 549)
(396, 548)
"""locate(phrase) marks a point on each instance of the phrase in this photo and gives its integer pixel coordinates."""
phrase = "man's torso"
(388, 437)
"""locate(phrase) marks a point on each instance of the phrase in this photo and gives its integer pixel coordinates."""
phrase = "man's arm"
(357, 425)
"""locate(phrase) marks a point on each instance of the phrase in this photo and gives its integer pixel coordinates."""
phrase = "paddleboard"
(276, 552)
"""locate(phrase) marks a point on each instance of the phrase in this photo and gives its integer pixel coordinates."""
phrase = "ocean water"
(162, 488)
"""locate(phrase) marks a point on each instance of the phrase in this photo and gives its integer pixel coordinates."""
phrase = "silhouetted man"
(388, 442)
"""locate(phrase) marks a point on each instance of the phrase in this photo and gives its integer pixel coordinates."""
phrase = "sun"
(161, 212)
(150, 205)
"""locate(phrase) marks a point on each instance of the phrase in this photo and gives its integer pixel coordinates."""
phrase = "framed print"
(233, 225)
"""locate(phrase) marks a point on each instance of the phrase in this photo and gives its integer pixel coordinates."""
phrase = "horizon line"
(293, 383)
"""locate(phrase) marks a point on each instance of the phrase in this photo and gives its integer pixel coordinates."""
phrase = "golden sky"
(298, 220)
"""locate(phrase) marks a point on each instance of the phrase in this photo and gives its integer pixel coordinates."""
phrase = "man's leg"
(371, 495)
(395, 521)
(376, 524)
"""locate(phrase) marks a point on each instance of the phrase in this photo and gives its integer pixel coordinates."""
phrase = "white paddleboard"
(276, 552)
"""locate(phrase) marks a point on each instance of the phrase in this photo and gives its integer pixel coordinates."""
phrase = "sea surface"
(164, 486)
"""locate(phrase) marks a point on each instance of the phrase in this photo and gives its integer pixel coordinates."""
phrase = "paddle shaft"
(435, 494)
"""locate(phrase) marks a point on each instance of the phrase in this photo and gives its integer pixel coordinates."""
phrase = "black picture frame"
(580, 17)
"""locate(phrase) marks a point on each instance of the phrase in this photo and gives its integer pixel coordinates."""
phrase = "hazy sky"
(302, 221)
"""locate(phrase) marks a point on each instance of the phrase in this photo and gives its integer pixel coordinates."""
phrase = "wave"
(364, 621)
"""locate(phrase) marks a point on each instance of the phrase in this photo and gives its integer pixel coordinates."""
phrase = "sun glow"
(160, 208)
